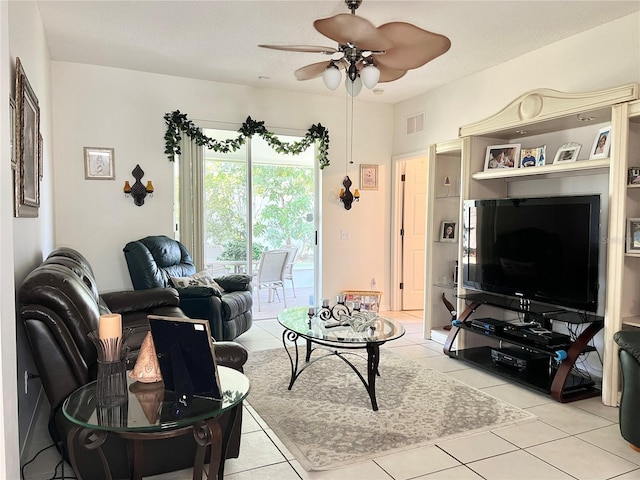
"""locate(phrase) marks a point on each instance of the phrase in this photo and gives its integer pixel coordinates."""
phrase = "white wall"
(29, 237)
(603, 57)
(8, 401)
(107, 107)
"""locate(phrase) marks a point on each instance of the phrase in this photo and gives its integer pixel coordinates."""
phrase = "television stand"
(555, 377)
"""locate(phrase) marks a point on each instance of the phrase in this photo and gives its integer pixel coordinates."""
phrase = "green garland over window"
(178, 123)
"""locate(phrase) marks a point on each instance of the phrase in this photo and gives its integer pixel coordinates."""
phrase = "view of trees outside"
(282, 201)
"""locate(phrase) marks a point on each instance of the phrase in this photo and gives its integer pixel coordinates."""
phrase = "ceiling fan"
(367, 53)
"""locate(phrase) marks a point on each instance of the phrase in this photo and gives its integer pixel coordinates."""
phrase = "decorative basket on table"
(369, 299)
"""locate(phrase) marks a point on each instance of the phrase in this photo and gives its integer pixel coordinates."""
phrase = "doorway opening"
(410, 215)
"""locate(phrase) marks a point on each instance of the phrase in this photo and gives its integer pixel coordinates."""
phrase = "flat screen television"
(544, 249)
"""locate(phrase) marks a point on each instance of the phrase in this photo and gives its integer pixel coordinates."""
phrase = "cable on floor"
(55, 471)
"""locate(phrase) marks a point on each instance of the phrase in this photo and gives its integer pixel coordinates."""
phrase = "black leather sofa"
(629, 353)
(59, 305)
(154, 260)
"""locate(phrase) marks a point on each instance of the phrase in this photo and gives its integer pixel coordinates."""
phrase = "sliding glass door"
(256, 199)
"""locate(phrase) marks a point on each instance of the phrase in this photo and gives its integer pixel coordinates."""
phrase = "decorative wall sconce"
(138, 191)
(345, 195)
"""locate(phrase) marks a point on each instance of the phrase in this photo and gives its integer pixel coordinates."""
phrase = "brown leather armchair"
(59, 306)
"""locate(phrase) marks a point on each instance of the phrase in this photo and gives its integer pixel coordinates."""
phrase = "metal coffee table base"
(373, 359)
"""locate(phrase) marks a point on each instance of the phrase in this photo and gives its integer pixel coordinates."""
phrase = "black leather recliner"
(153, 260)
(59, 306)
(629, 353)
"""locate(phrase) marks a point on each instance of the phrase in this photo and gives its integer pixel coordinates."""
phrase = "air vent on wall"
(415, 123)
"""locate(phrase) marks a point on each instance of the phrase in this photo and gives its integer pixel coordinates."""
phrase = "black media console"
(529, 352)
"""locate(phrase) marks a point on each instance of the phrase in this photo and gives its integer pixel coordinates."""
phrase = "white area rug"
(326, 420)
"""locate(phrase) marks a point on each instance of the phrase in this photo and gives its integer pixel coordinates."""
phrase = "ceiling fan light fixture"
(331, 76)
(353, 87)
(370, 76)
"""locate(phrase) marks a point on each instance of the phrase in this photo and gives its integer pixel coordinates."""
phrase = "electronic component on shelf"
(546, 338)
(519, 358)
(488, 325)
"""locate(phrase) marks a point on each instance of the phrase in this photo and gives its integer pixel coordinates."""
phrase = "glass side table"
(152, 413)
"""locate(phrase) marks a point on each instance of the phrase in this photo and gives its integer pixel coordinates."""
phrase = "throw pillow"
(200, 279)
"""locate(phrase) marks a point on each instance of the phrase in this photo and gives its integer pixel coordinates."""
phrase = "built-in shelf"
(439, 334)
(569, 167)
(633, 321)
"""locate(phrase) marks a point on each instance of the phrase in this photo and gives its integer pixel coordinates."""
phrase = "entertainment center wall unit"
(458, 173)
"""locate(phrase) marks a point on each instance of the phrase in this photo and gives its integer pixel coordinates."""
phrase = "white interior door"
(414, 221)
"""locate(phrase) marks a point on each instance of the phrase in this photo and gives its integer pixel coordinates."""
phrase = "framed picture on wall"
(99, 163)
(12, 132)
(368, 177)
(601, 144)
(449, 231)
(27, 132)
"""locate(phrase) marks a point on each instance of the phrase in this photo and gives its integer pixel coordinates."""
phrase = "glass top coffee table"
(337, 339)
(153, 413)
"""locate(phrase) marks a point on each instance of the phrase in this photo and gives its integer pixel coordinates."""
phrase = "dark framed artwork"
(28, 147)
(12, 132)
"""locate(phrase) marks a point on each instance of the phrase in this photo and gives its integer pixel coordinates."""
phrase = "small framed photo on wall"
(99, 163)
(368, 177)
(633, 235)
(449, 231)
(601, 144)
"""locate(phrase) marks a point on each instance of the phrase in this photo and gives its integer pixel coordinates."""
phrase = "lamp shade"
(370, 76)
(353, 88)
(331, 77)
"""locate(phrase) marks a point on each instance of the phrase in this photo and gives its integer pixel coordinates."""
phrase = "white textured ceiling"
(217, 40)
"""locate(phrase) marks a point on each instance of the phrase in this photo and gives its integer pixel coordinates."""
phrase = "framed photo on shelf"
(633, 235)
(99, 163)
(601, 144)
(27, 131)
(532, 157)
(633, 176)
(502, 156)
(368, 177)
(449, 231)
(567, 153)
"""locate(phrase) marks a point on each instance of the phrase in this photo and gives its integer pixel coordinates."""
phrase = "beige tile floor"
(580, 440)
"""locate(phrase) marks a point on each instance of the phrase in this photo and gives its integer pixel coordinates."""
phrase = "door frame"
(398, 162)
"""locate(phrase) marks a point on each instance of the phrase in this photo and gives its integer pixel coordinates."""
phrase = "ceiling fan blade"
(302, 48)
(389, 74)
(346, 28)
(412, 46)
(311, 71)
